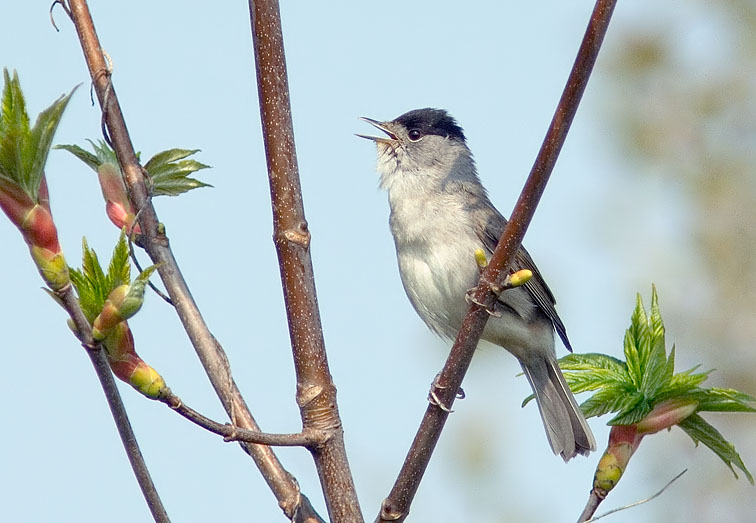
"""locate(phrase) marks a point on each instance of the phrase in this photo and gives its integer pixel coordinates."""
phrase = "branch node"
(388, 513)
(308, 394)
(232, 436)
(299, 235)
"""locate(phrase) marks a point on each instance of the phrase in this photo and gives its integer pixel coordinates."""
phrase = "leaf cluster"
(24, 149)
(93, 285)
(632, 388)
(169, 171)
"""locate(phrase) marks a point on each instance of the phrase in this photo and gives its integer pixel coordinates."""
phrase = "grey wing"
(490, 234)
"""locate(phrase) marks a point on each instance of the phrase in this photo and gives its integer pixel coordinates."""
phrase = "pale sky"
(184, 73)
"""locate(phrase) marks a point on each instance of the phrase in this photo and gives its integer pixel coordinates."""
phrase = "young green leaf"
(170, 172)
(700, 431)
(119, 269)
(24, 149)
(645, 391)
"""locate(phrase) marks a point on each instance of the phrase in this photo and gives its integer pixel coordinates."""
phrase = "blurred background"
(655, 185)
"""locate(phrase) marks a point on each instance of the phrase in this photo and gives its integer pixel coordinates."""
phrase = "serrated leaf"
(656, 325)
(632, 358)
(177, 186)
(24, 149)
(681, 383)
(655, 371)
(589, 380)
(14, 115)
(82, 154)
(92, 270)
(723, 400)
(170, 172)
(701, 431)
(162, 160)
(633, 413)
(119, 269)
(102, 154)
(591, 361)
(146, 273)
(612, 398)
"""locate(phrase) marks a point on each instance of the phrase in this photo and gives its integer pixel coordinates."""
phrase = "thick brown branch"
(316, 393)
(213, 358)
(118, 410)
(396, 506)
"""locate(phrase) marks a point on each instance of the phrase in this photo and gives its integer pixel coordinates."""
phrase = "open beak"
(383, 127)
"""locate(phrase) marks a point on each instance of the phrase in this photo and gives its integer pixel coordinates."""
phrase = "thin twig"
(295, 506)
(309, 439)
(52, 18)
(132, 254)
(316, 393)
(641, 502)
(128, 438)
(396, 506)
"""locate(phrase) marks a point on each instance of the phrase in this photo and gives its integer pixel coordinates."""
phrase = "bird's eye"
(414, 135)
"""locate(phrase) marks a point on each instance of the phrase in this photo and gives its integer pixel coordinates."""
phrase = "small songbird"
(440, 215)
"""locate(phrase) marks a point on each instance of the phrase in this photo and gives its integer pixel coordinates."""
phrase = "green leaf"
(82, 154)
(700, 431)
(94, 286)
(611, 398)
(722, 400)
(90, 283)
(592, 371)
(633, 413)
(119, 269)
(170, 172)
(681, 384)
(636, 343)
(591, 361)
(655, 372)
(24, 150)
(102, 154)
(656, 325)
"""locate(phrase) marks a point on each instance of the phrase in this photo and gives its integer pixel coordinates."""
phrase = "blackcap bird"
(440, 215)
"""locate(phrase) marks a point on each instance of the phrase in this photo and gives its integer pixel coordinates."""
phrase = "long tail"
(566, 428)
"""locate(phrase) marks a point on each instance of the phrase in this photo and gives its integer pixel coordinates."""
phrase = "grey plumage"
(440, 214)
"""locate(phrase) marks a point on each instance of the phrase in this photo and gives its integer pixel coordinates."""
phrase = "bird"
(440, 214)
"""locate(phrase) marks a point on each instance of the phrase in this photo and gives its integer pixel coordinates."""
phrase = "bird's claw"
(469, 298)
(433, 398)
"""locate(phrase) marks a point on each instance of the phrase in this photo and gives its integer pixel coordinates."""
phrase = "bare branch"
(155, 242)
(311, 438)
(316, 393)
(396, 506)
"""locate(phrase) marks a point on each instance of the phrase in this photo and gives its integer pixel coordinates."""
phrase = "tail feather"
(566, 428)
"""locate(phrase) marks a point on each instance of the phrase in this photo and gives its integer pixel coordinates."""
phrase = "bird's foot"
(433, 398)
(470, 298)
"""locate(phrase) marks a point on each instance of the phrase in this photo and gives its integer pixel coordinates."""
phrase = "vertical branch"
(316, 393)
(396, 506)
(296, 506)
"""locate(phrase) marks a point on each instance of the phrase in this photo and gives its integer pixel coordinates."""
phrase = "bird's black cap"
(432, 121)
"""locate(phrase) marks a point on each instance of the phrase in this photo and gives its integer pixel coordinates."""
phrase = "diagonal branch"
(126, 432)
(316, 393)
(296, 506)
(396, 506)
